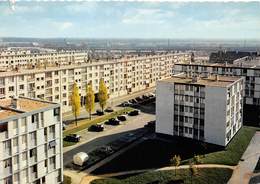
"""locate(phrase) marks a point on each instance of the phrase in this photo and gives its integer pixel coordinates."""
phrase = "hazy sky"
(131, 20)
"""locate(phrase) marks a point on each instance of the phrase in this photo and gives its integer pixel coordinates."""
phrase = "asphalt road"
(93, 140)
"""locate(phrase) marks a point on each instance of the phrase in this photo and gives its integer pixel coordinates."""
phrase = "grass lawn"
(157, 153)
(204, 176)
(84, 124)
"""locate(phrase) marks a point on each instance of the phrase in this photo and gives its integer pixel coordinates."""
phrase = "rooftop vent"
(14, 102)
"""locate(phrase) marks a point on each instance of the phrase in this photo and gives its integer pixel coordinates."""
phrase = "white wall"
(164, 108)
(215, 115)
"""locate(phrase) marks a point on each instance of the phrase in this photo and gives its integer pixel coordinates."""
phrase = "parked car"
(133, 101)
(145, 97)
(80, 158)
(105, 150)
(113, 121)
(109, 109)
(99, 112)
(72, 138)
(134, 113)
(150, 124)
(126, 104)
(122, 117)
(139, 99)
(96, 128)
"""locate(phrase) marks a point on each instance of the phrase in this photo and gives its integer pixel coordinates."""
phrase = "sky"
(181, 20)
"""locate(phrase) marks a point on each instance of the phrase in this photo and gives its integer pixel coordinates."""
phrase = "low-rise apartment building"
(202, 108)
(123, 76)
(30, 142)
(250, 70)
(24, 57)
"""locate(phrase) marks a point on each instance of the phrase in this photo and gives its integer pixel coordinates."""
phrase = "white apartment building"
(203, 108)
(24, 57)
(30, 142)
(248, 69)
(122, 77)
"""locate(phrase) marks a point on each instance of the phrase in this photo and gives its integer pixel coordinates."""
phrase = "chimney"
(14, 103)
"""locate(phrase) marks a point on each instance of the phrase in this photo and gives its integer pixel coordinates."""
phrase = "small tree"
(197, 159)
(102, 94)
(176, 161)
(193, 171)
(75, 102)
(90, 99)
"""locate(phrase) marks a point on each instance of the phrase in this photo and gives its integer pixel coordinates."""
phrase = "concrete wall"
(164, 108)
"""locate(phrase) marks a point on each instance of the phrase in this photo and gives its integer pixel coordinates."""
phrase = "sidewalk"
(244, 170)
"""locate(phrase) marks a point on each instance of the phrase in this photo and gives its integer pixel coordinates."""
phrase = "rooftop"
(13, 106)
(212, 80)
(239, 63)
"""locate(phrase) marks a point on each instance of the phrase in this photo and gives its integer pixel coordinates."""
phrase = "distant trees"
(102, 94)
(193, 170)
(75, 102)
(90, 99)
(197, 159)
(176, 161)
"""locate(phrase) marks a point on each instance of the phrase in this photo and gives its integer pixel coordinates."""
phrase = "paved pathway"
(244, 170)
(89, 178)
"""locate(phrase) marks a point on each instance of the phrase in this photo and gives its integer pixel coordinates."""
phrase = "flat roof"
(222, 81)
(13, 106)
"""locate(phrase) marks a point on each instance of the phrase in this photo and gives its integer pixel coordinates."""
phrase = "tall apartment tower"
(30, 142)
(207, 109)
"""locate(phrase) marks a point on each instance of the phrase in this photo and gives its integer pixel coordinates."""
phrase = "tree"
(75, 102)
(102, 94)
(197, 159)
(90, 99)
(176, 161)
(193, 170)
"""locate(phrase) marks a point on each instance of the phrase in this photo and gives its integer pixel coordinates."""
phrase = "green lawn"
(234, 150)
(156, 153)
(84, 124)
(204, 176)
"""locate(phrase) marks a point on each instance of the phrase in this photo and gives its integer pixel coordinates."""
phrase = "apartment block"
(208, 108)
(250, 70)
(122, 76)
(30, 142)
(25, 57)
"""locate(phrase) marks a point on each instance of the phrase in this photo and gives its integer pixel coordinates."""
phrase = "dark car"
(121, 117)
(134, 113)
(150, 124)
(72, 138)
(113, 121)
(99, 112)
(133, 101)
(96, 128)
(126, 104)
(109, 109)
(145, 97)
(139, 99)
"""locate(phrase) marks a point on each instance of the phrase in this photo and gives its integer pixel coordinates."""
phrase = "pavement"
(92, 140)
(87, 179)
(245, 169)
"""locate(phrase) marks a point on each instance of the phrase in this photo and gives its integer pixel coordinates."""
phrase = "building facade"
(30, 142)
(122, 77)
(251, 73)
(207, 109)
(22, 58)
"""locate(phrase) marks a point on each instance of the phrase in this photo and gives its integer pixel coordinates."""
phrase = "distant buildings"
(249, 69)
(30, 142)
(201, 108)
(229, 56)
(122, 76)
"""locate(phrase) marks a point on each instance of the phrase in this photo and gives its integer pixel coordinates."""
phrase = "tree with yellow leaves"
(90, 99)
(75, 102)
(102, 94)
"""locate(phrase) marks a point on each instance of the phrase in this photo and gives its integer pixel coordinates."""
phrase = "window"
(34, 118)
(15, 142)
(24, 139)
(11, 88)
(7, 163)
(24, 156)
(32, 152)
(56, 112)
